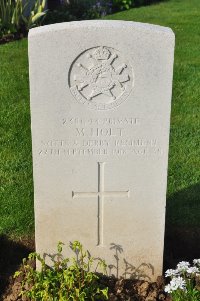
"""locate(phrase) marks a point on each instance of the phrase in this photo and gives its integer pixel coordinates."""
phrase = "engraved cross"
(101, 194)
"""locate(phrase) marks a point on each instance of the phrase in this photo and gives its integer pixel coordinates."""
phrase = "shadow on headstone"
(182, 233)
(11, 255)
(142, 272)
(119, 268)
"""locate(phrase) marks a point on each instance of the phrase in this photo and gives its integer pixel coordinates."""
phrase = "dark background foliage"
(63, 11)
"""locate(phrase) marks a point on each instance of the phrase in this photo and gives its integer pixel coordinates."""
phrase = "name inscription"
(100, 137)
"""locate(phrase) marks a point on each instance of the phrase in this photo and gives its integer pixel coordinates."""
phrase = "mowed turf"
(16, 194)
(183, 203)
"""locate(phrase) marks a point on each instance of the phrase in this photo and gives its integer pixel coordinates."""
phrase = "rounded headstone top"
(112, 24)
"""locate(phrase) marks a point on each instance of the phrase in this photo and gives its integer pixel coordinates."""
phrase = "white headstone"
(100, 107)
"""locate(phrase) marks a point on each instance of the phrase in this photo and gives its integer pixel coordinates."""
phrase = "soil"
(180, 244)
(12, 253)
(12, 37)
(119, 289)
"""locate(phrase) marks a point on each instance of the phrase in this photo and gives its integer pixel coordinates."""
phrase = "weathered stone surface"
(100, 106)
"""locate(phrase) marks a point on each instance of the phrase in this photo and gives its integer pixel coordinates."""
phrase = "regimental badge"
(100, 78)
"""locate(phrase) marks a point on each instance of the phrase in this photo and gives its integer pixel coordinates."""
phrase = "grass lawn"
(183, 204)
(16, 200)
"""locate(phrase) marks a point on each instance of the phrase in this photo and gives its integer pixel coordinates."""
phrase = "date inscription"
(100, 137)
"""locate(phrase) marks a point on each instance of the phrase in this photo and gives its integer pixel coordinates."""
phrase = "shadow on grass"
(11, 255)
(182, 232)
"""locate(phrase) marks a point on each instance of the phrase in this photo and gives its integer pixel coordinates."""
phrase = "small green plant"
(67, 279)
(185, 279)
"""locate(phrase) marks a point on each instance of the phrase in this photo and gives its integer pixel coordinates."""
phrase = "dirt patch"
(11, 254)
(136, 290)
(119, 289)
(12, 37)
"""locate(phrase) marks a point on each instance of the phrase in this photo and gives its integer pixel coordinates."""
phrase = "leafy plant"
(122, 4)
(35, 17)
(67, 280)
(6, 16)
(13, 16)
(184, 281)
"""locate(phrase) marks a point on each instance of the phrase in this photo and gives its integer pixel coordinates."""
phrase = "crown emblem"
(101, 53)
